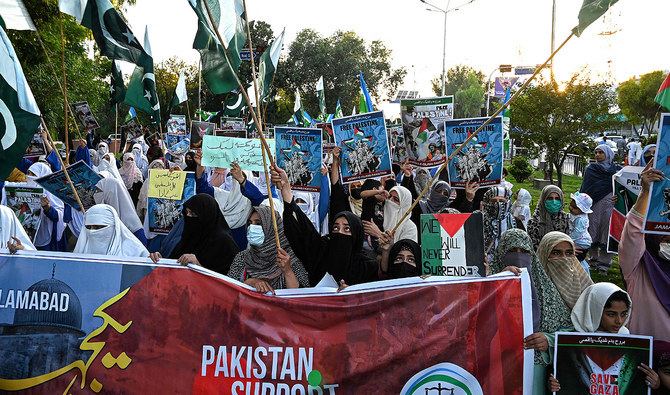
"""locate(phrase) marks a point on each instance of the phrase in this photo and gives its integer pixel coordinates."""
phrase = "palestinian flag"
(423, 131)
(369, 138)
(295, 145)
(347, 142)
(358, 133)
(453, 244)
(285, 151)
(19, 114)
(663, 95)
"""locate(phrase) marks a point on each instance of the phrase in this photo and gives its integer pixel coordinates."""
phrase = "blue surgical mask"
(255, 235)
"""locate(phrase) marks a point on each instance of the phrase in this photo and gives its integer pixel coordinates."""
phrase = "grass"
(571, 184)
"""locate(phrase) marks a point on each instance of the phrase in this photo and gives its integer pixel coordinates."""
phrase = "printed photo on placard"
(36, 147)
(657, 217)
(163, 213)
(26, 203)
(627, 186)
(84, 115)
(200, 129)
(228, 123)
(132, 129)
(177, 125)
(298, 152)
(423, 128)
(481, 160)
(365, 150)
(397, 139)
(83, 178)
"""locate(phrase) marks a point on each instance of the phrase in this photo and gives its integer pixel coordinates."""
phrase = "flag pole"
(264, 145)
(53, 71)
(479, 129)
(253, 70)
(53, 146)
(188, 113)
(116, 127)
(67, 128)
(265, 107)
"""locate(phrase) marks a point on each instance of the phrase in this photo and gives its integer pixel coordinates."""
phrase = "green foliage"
(338, 59)
(636, 100)
(467, 86)
(520, 168)
(562, 122)
(167, 75)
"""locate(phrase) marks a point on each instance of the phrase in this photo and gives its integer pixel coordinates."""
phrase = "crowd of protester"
(350, 232)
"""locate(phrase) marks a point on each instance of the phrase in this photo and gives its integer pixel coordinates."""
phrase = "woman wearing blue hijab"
(597, 183)
(647, 154)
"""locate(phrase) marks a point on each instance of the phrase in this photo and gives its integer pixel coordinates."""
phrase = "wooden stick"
(188, 114)
(479, 129)
(253, 70)
(116, 127)
(53, 146)
(264, 145)
(53, 70)
(67, 132)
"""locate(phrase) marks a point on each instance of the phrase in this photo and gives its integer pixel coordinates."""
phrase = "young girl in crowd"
(579, 207)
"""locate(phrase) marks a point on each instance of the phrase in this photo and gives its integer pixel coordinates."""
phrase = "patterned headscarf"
(567, 274)
(554, 314)
(543, 222)
(497, 217)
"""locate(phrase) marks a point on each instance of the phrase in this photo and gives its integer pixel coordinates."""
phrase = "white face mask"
(99, 240)
(664, 251)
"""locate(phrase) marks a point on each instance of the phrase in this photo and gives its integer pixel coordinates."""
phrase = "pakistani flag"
(117, 89)
(365, 102)
(228, 16)
(180, 95)
(111, 33)
(234, 105)
(338, 110)
(590, 11)
(14, 16)
(19, 115)
(298, 110)
(321, 94)
(663, 95)
(268, 66)
(141, 92)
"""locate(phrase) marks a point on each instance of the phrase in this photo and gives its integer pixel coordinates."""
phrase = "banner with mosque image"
(423, 126)
(163, 213)
(298, 152)
(84, 180)
(626, 185)
(657, 216)
(452, 245)
(365, 149)
(119, 325)
(26, 203)
(601, 363)
(481, 160)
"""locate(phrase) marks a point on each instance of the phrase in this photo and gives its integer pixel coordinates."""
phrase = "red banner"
(180, 331)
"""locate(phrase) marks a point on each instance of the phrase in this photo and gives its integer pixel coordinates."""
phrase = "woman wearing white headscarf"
(108, 164)
(306, 203)
(105, 234)
(103, 148)
(12, 234)
(557, 256)
(114, 193)
(521, 206)
(131, 176)
(587, 315)
(50, 234)
(141, 160)
(394, 208)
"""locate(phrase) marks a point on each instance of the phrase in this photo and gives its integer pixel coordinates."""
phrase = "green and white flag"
(117, 88)
(141, 92)
(18, 109)
(14, 16)
(113, 36)
(268, 66)
(234, 105)
(338, 110)
(298, 110)
(180, 95)
(321, 94)
(591, 10)
(218, 73)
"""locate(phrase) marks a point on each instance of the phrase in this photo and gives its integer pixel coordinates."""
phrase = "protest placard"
(176, 125)
(452, 245)
(199, 130)
(365, 149)
(84, 115)
(166, 184)
(83, 178)
(115, 325)
(163, 213)
(132, 129)
(298, 152)
(481, 160)
(601, 363)
(627, 185)
(657, 216)
(231, 123)
(397, 139)
(423, 126)
(36, 147)
(502, 84)
(326, 132)
(237, 133)
(223, 151)
(25, 202)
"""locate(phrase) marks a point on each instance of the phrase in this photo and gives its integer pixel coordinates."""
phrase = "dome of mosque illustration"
(68, 320)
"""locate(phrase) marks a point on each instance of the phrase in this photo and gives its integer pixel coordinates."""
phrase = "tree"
(636, 100)
(167, 75)
(337, 58)
(561, 122)
(467, 86)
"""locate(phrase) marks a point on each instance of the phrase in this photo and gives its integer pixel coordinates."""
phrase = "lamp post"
(445, 11)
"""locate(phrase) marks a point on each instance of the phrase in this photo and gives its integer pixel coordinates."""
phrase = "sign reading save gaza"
(452, 245)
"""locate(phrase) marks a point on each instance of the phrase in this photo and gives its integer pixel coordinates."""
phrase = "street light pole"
(553, 24)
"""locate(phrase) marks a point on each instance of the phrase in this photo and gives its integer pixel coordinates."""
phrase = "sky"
(482, 34)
